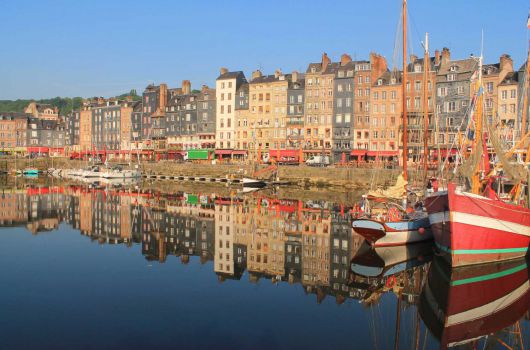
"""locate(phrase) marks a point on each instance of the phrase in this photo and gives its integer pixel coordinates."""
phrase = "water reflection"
(306, 243)
(462, 305)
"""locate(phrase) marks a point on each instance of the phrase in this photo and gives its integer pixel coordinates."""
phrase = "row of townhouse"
(351, 108)
(348, 109)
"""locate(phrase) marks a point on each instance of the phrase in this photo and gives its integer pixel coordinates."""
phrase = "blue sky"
(107, 47)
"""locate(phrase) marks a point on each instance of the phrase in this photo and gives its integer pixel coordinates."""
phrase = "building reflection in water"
(309, 243)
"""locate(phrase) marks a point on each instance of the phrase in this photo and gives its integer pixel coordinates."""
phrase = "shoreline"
(339, 179)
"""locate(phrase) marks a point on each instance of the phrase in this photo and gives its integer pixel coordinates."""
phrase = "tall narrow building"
(226, 86)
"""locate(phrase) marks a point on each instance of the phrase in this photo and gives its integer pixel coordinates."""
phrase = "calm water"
(102, 269)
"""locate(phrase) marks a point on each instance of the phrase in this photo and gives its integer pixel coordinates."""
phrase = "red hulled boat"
(473, 229)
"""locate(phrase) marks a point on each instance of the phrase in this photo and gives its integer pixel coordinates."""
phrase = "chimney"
(325, 61)
(163, 97)
(506, 63)
(224, 70)
(186, 87)
(413, 58)
(204, 89)
(294, 76)
(256, 74)
(178, 91)
(446, 55)
(345, 59)
(379, 65)
(277, 73)
(436, 57)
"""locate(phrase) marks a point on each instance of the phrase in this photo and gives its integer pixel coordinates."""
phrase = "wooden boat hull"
(462, 304)
(381, 234)
(470, 229)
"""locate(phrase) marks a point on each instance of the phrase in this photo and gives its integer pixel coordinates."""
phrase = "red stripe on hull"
(476, 237)
(459, 236)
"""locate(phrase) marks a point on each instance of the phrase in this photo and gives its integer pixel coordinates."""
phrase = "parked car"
(318, 161)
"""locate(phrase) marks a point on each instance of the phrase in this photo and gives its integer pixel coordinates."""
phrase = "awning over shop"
(239, 152)
(38, 149)
(382, 153)
(358, 152)
(223, 151)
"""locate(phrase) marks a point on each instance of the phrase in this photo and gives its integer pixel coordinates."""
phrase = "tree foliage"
(65, 104)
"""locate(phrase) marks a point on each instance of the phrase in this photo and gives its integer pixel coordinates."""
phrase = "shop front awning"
(223, 151)
(239, 152)
(38, 149)
(382, 153)
(358, 152)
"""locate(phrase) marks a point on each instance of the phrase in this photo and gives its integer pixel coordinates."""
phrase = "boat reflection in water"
(463, 305)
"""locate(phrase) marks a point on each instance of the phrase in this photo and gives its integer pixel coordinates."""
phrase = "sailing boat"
(473, 224)
(392, 224)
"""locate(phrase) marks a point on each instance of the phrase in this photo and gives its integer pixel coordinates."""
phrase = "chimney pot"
(256, 74)
(186, 87)
(325, 61)
(277, 73)
(437, 57)
(446, 55)
(224, 70)
(294, 76)
(345, 59)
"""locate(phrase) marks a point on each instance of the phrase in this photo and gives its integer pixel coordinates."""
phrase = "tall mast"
(426, 67)
(404, 93)
(525, 96)
(479, 135)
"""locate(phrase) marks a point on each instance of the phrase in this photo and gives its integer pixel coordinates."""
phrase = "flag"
(528, 21)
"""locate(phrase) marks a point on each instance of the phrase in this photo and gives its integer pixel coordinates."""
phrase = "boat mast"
(478, 140)
(403, 92)
(525, 95)
(426, 67)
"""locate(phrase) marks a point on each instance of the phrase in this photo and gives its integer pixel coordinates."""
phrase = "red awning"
(223, 151)
(38, 149)
(358, 152)
(382, 153)
(239, 152)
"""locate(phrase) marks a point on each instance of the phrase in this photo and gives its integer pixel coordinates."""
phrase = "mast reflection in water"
(60, 292)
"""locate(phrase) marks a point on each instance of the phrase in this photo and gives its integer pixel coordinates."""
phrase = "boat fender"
(421, 230)
(390, 282)
(394, 214)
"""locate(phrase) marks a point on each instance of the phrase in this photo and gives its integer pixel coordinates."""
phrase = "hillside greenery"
(65, 104)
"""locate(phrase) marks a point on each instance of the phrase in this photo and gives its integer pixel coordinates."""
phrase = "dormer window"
(453, 68)
(380, 82)
(313, 70)
(417, 68)
(393, 80)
